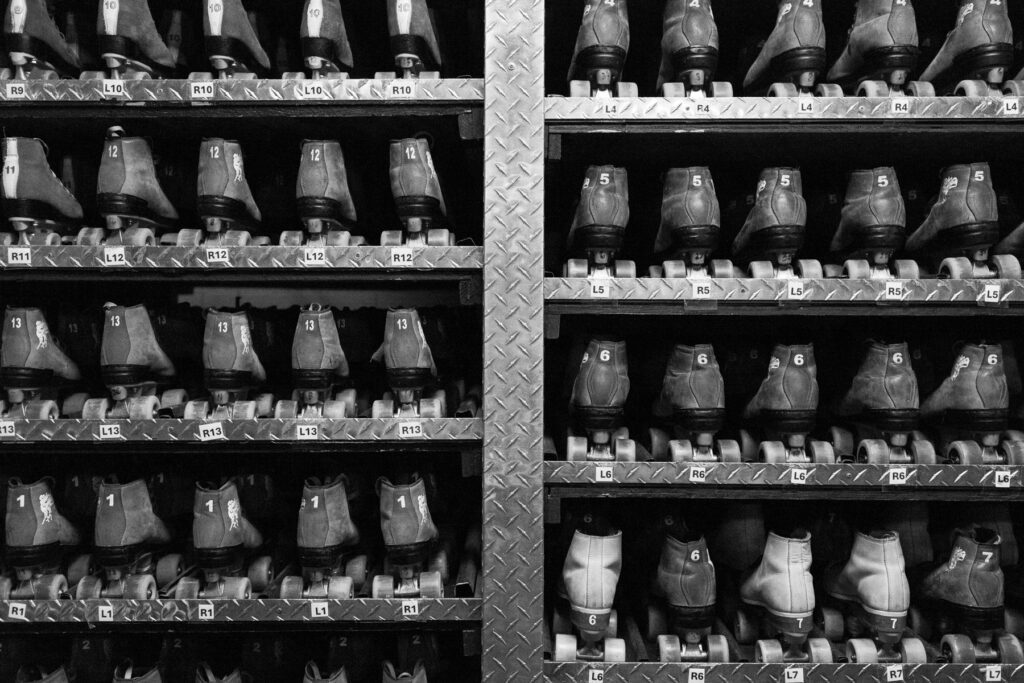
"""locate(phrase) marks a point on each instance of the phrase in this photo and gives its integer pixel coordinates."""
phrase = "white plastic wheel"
(958, 649)
(965, 453)
(625, 269)
(718, 649)
(762, 270)
(821, 452)
(729, 451)
(89, 588)
(861, 651)
(1007, 266)
(1010, 651)
(773, 452)
(625, 450)
(768, 652)
(828, 90)
(783, 90)
(857, 269)
(143, 407)
(907, 269)
(577, 267)
(920, 89)
(956, 268)
(1014, 88)
(744, 628)
(614, 650)
(291, 588)
(565, 647)
(820, 650)
(576, 448)
(383, 586)
(972, 88)
(873, 89)
(431, 585)
(340, 588)
(721, 89)
(842, 442)
(285, 410)
(873, 452)
(810, 269)
(912, 651)
(680, 450)
(669, 649)
(923, 452)
(832, 623)
(140, 587)
(261, 573)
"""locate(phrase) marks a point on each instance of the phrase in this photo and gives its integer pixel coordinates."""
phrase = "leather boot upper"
(971, 577)
(127, 168)
(966, 197)
(876, 24)
(27, 343)
(782, 583)
(404, 345)
(686, 575)
(127, 672)
(222, 173)
(977, 382)
(875, 575)
(693, 379)
(591, 571)
(133, 20)
(885, 381)
(228, 18)
(413, 18)
(688, 200)
(316, 345)
(391, 675)
(228, 345)
(797, 26)
(218, 520)
(605, 24)
(33, 518)
(791, 384)
(323, 19)
(324, 519)
(32, 17)
(978, 22)
(603, 379)
(412, 170)
(779, 202)
(322, 174)
(404, 513)
(27, 175)
(124, 516)
(604, 200)
(312, 675)
(129, 339)
(686, 24)
(873, 200)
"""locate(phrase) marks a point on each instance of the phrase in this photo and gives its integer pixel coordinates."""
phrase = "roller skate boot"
(881, 52)
(872, 597)
(793, 58)
(225, 205)
(128, 195)
(686, 586)
(599, 226)
(417, 192)
(38, 537)
(318, 365)
(224, 540)
(775, 228)
(970, 409)
(325, 203)
(961, 601)
(590, 576)
(690, 223)
(600, 53)
(693, 398)
(205, 674)
(128, 538)
(781, 589)
(872, 228)
(42, 674)
(231, 371)
(785, 406)
(32, 367)
(129, 43)
(34, 44)
(883, 405)
(312, 674)
(962, 226)
(410, 540)
(135, 369)
(596, 407)
(689, 51)
(392, 675)
(413, 41)
(977, 53)
(327, 545)
(127, 671)
(325, 47)
(181, 39)
(232, 47)
(39, 208)
(410, 370)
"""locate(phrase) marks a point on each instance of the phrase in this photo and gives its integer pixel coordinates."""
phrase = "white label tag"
(314, 256)
(114, 256)
(705, 108)
(104, 613)
(897, 476)
(314, 90)
(1011, 106)
(403, 15)
(200, 90)
(215, 13)
(19, 256)
(307, 432)
(696, 675)
(218, 255)
(17, 610)
(793, 675)
(410, 608)
(318, 610)
(798, 475)
(110, 431)
(211, 431)
(401, 257)
(112, 89)
(7, 430)
(595, 675)
(795, 290)
(698, 474)
(401, 89)
(17, 91)
(806, 105)
(993, 673)
(599, 290)
(992, 294)
(899, 106)
(893, 673)
(111, 8)
(314, 18)
(1001, 479)
(410, 430)
(205, 611)
(894, 290)
(701, 290)
(603, 474)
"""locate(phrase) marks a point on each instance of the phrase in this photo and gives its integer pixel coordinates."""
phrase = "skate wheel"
(291, 238)
(340, 588)
(1013, 452)
(669, 649)
(659, 451)
(614, 650)
(809, 269)
(923, 452)
(744, 628)
(261, 573)
(431, 585)
(291, 588)
(235, 238)
(722, 268)
(42, 410)
(772, 452)
(264, 405)
(189, 238)
(657, 621)
(873, 452)
(382, 409)
(861, 651)
(959, 268)
(286, 410)
(89, 588)
(237, 588)
(391, 238)
(842, 443)
(972, 89)
(79, 568)
(907, 269)
(169, 569)
(718, 649)
(383, 587)
(912, 651)
(336, 410)
(243, 410)
(748, 448)
(680, 450)
(821, 452)
(173, 398)
(355, 569)
(340, 238)
(431, 408)
(831, 622)
(187, 589)
(762, 270)
(729, 451)
(721, 89)
(140, 587)
(6, 585)
(965, 453)
(625, 450)
(873, 89)
(958, 649)
(576, 267)
(783, 90)
(565, 648)
(819, 650)
(438, 238)
(828, 90)
(1010, 651)
(576, 448)
(920, 89)
(1007, 266)
(674, 270)
(50, 587)
(768, 652)
(89, 237)
(143, 408)
(73, 404)
(625, 269)
(138, 237)
(95, 409)
(857, 269)
(196, 410)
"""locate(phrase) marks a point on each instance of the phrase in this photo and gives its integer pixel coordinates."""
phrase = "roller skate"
(410, 539)
(689, 52)
(225, 545)
(34, 44)
(318, 365)
(312, 674)
(417, 192)
(39, 208)
(231, 370)
(38, 538)
(881, 52)
(690, 223)
(873, 228)
(127, 672)
(128, 195)
(686, 588)
(775, 228)
(977, 53)
(786, 405)
(793, 58)
(779, 604)
(325, 47)
(598, 398)
(961, 601)
(962, 227)
(134, 367)
(324, 201)
(600, 53)
(883, 405)
(872, 597)
(127, 540)
(392, 675)
(970, 410)
(130, 45)
(413, 41)
(205, 674)
(232, 47)
(33, 673)
(410, 370)
(32, 368)
(328, 542)
(692, 397)
(599, 226)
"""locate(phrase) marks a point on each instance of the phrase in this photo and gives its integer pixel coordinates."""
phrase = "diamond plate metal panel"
(513, 339)
(789, 108)
(775, 673)
(254, 90)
